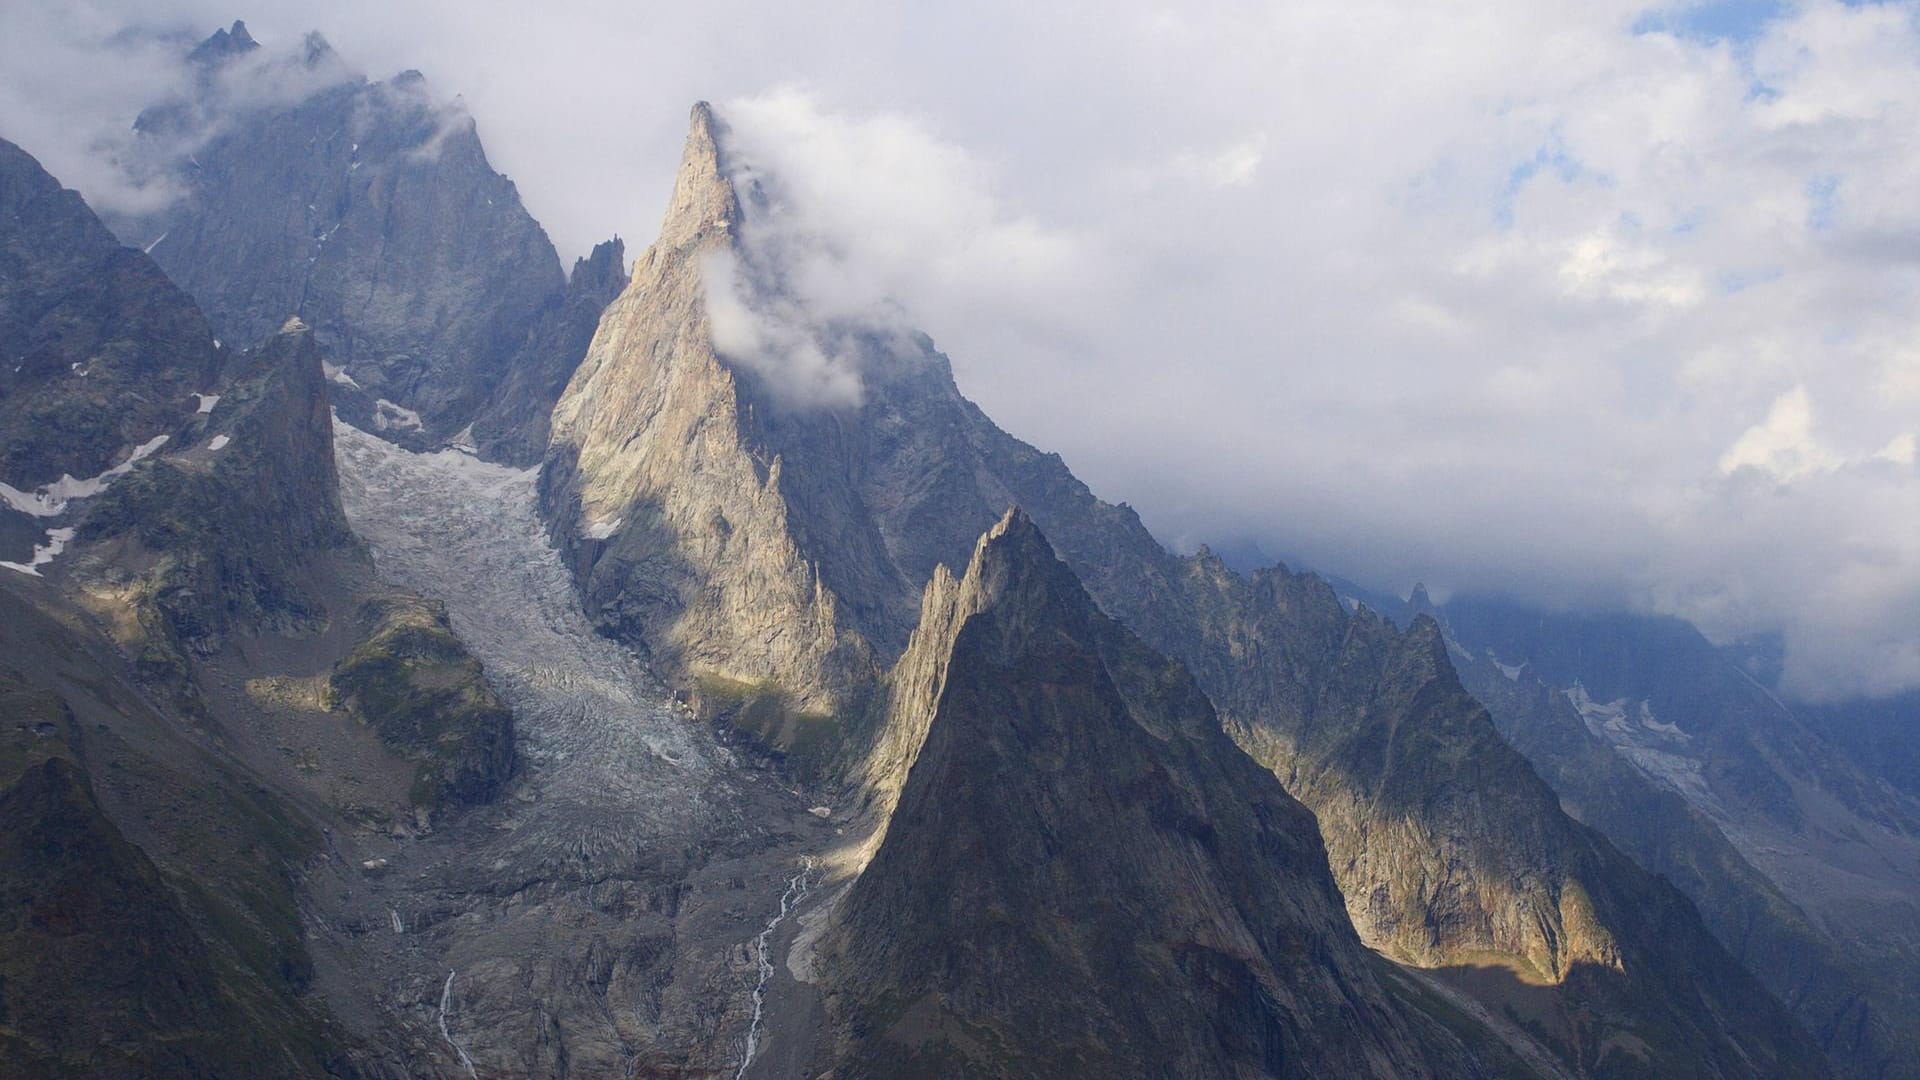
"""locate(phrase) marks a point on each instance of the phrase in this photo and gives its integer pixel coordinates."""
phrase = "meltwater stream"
(796, 891)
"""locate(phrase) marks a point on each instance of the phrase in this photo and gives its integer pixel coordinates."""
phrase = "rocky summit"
(419, 662)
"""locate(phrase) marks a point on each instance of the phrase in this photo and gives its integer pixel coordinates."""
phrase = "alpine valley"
(419, 660)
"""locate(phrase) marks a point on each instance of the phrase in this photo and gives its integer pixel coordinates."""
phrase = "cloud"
(1783, 444)
(803, 363)
(852, 223)
(1483, 294)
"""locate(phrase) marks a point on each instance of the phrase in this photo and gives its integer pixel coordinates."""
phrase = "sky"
(1599, 304)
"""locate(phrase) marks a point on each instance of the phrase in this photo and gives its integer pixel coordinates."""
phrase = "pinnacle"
(703, 197)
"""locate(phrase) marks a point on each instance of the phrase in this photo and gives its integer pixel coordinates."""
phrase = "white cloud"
(778, 338)
(1783, 444)
(1485, 294)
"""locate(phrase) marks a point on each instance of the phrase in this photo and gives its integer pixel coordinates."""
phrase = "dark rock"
(514, 425)
(99, 351)
(1085, 877)
(225, 536)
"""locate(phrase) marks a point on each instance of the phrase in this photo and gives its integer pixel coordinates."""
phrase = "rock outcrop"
(220, 534)
(414, 682)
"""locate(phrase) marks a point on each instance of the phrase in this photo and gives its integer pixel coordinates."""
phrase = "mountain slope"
(158, 888)
(105, 352)
(1084, 877)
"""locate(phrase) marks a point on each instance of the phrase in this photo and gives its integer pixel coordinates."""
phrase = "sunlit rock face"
(666, 482)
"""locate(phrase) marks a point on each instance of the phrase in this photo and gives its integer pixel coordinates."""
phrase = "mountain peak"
(1015, 572)
(223, 45)
(1042, 773)
(1013, 540)
(703, 197)
(605, 266)
(1419, 602)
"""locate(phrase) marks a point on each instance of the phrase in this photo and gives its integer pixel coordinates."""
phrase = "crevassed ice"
(50, 500)
(591, 719)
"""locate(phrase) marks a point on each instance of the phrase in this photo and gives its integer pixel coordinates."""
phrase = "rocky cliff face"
(1083, 876)
(516, 422)
(370, 211)
(685, 526)
(198, 477)
(218, 535)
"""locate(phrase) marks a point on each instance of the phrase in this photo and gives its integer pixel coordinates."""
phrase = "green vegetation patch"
(414, 683)
(809, 744)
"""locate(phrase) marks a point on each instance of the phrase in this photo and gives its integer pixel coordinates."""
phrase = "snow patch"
(1511, 671)
(390, 417)
(50, 500)
(43, 553)
(1648, 721)
(600, 530)
(156, 243)
(338, 374)
(219, 442)
(1657, 749)
(207, 402)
